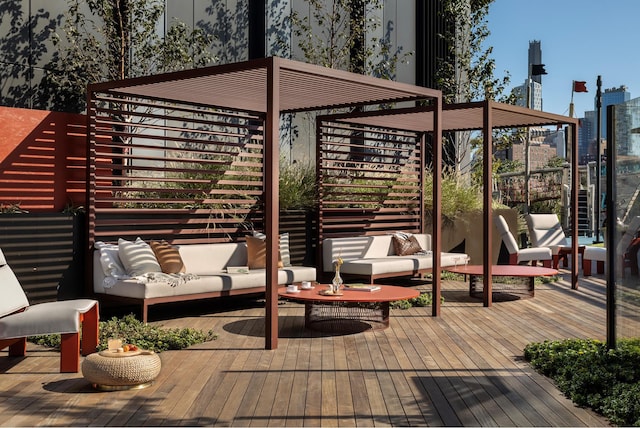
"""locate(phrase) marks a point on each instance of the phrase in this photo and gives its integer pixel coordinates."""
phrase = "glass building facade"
(624, 165)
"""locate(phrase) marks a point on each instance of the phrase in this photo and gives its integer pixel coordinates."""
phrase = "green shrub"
(424, 299)
(298, 188)
(607, 380)
(144, 336)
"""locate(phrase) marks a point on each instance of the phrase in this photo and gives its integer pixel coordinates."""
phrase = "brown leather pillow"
(257, 253)
(405, 247)
(168, 257)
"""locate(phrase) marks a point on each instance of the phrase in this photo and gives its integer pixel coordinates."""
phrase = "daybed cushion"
(392, 264)
(206, 283)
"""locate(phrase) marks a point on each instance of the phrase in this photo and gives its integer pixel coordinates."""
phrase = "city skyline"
(579, 41)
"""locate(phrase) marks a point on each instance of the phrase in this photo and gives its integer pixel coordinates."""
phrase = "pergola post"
(487, 153)
(271, 201)
(436, 243)
(575, 183)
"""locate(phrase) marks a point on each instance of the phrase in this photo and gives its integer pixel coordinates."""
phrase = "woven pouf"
(109, 373)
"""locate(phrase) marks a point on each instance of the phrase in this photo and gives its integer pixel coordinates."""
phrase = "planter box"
(46, 253)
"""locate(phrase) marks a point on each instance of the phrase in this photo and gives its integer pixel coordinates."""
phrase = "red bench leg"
(600, 266)
(90, 333)
(70, 353)
(586, 267)
(17, 347)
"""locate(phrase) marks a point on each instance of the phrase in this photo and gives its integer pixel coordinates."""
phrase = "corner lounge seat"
(208, 262)
(373, 257)
(19, 320)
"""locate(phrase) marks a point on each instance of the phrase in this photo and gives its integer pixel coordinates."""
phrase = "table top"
(503, 270)
(387, 293)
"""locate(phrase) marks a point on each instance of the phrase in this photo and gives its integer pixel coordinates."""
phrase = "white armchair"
(521, 255)
(545, 230)
(19, 320)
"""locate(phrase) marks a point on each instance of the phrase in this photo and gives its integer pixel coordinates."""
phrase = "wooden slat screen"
(182, 173)
(370, 180)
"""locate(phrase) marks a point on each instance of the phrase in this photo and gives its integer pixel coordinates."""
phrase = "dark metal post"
(611, 224)
(599, 158)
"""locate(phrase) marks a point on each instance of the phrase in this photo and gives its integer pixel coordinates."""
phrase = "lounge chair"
(19, 320)
(546, 231)
(521, 255)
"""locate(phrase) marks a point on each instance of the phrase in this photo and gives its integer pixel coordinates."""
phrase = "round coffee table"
(518, 271)
(352, 311)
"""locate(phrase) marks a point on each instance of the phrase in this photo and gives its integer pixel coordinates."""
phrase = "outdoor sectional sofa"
(375, 257)
(134, 273)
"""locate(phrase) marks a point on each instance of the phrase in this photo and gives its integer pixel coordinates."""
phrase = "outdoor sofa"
(141, 273)
(384, 256)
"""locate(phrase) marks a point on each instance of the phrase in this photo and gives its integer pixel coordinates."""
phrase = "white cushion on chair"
(598, 254)
(12, 297)
(545, 230)
(45, 318)
(506, 235)
(534, 254)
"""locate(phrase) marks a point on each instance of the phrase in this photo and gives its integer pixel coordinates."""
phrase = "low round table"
(476, 289)
(353, 311)
(113, 373)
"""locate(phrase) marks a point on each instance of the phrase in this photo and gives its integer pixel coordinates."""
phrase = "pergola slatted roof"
(243, 86)
(456, 117)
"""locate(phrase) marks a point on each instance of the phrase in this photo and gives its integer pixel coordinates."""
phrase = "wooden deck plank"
(464, 368)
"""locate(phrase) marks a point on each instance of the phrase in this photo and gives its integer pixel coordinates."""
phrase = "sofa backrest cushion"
(205, 259)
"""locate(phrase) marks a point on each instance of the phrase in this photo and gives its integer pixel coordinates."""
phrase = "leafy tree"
(341, 34)
(103, 40)
(468, 72)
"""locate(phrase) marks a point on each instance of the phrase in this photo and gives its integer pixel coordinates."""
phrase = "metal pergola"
(273, 86)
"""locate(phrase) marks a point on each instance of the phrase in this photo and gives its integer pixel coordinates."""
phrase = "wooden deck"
(464, 368)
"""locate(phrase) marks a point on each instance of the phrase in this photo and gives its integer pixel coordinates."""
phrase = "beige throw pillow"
(168, 257)
(257, 253)
(405, 245)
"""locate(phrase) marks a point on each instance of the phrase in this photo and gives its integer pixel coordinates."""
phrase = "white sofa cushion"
(209, 259)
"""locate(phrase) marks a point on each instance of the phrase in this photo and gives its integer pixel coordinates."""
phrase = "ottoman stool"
(597, 254)
(110, 371)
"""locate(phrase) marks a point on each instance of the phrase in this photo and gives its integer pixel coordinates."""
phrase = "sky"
(579, 39)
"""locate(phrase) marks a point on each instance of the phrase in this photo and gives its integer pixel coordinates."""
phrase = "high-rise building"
(587, 146)
(531, 98)
(610, 97)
